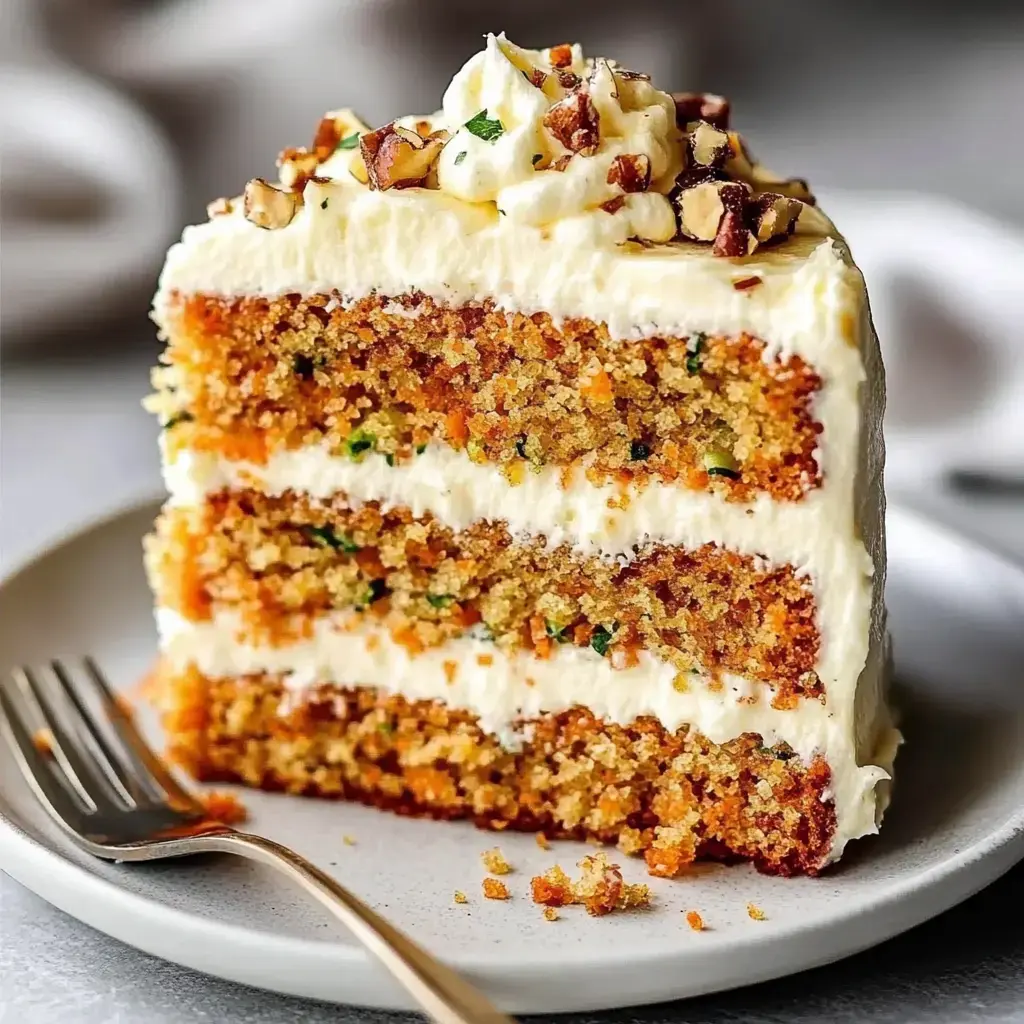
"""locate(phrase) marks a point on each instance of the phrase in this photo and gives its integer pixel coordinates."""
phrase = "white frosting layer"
(522, 686)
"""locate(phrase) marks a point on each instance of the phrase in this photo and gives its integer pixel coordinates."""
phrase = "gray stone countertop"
(75, 443)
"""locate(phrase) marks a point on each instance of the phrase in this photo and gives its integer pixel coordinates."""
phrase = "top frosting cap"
(514, 170)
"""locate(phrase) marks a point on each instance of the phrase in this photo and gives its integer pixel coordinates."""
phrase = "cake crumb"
(600, 888)
(550, 914)
(495, 890)
(755, 913)
(494, 861)
(542, 841)
(224, 807)
(461, 897)
(695, 921)
(348, 840)
(42, 740)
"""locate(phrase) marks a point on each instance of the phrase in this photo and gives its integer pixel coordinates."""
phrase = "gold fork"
(114, 798)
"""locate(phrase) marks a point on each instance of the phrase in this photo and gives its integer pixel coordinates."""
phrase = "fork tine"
(60, 797)
(77, 762)
(142, 759)
(131, 788)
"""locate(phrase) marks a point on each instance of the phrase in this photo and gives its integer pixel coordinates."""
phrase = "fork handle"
(440, 993)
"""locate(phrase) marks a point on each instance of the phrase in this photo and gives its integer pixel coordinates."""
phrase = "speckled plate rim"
(318, 969)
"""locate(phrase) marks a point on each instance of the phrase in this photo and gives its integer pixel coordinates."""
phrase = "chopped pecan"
(338, 128)
(701, 106)
(397, 157)
(537, 78)
(709, 146)
(733, 238)
(774, 216)
(746, 283)
(269, 207)
(560, 55)
(631, 172)
(614, 205)
(296, 166)
(219, 207)
(574, 122)
(703, 207)
(568, 80)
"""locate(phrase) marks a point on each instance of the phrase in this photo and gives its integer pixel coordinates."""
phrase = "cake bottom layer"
(674, 797)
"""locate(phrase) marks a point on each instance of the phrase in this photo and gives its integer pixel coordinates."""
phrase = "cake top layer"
(545, 182)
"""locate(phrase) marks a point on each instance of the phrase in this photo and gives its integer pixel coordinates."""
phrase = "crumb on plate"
(495, 890)
(494, 861)
(600, 887)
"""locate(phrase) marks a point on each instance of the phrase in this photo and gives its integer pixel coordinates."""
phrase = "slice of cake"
(525, 466)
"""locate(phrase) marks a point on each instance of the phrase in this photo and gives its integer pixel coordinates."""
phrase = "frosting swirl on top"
(523, 169)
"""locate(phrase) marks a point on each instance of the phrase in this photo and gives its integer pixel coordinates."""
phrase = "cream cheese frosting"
(522, 686)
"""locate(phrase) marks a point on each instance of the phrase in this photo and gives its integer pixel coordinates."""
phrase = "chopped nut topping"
(495, 890)
(574, 122)
(701, 106)
(560, 55)
(269, 207)
(494, 861)
(219, 207)
(297, 166)
(631, 172)
(397, 157)
(703, 207)
(537, 78)
(568, 80)
(746, 283)
(339, 129)
(614, 205)
(562, 162)
(733, 239)
(709, 146)
(774, 216)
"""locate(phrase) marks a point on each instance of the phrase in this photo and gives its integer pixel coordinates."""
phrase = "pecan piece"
(703, 207)
(536, 78)
(269, 207)
(701, 106)
(732, 237)
(568, 80)
(574, 122)
(397, 157)
(560, 55)
(631, 172)
(709, 146)
(613, 205)
(296, 166)
(774, 216)
(337, 128)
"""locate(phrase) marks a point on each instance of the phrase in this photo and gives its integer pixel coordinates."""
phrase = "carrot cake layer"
(253, 375)
(551, 420)
(276, 560)
(672, 796)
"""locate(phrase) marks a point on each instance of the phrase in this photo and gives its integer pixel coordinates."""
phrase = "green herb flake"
(502, 212)
(695, 348)
(374, 592)
(639, 451)
(323, 205)
(420, 449)
(719, 462)
(459, 157)
(537, 157)
(389, 459)
(303, 367)
(349, 142)
(440, 600)
(325, 537)
(385, 727)
(484, 128)
(557, 634)
(358, 442)
(179, 417)
(600, 639)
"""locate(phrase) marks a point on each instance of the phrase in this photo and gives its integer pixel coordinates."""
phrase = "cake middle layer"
(275, 561)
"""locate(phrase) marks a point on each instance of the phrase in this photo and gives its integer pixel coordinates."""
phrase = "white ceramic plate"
(956, 824)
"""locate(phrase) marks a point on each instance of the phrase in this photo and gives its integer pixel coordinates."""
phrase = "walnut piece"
(709, 146)
(574, 122)
(296, 166)
(774, 216)
(703, 207)
(701, 106)
(631, 172)
(269, 207)
(335, 127)
(397, 157)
